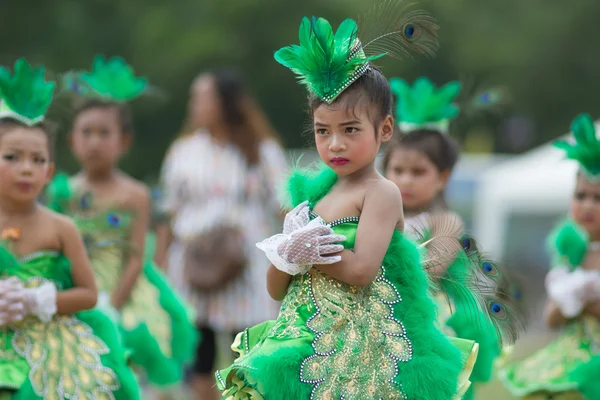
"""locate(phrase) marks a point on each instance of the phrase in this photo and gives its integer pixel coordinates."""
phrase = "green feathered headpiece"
(25, 95)
(586, 149)
(110, 80)
(423, 106)
(327, 63)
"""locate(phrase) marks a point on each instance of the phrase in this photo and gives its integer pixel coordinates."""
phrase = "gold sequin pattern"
(358, 342)
(64, 357)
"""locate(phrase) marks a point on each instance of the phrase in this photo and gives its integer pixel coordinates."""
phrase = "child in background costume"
(356, 321)
(569, 367)
(420, 161)
(113, 210)
(53, 346)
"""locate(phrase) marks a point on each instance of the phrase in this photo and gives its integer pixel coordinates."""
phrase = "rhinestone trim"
(336, 222)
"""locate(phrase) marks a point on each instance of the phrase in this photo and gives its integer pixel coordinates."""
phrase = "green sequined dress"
(71, 357)
(457, 318)
(336, 341)
(569, 367)
(156, 324)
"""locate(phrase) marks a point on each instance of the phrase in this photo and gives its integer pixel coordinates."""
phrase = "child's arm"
(141, 202)
(164, 237)
(277, 283)
(553, 316)
(381, 214)
(84, 294)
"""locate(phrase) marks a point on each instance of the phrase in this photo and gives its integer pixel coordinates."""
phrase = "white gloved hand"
(309, 244)
(297, 218)
(11, 300)
(40, 301)
(567, 290)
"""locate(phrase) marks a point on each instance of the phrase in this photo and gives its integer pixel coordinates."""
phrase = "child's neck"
(99, 176)
(368, 171)
(17, 209)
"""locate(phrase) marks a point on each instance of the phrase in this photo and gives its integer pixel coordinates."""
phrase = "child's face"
(347, 142)
(416, 176)
(204, 106)
(25, 166)
(97, 140)
(585, 207)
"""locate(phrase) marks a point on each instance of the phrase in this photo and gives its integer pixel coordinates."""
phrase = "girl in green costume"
(356, 321)
(53, 346)
(112, 210)
(569, 367)
(420, 161)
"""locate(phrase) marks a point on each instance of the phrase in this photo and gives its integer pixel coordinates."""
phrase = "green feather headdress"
(423, 106)
(25, 95)
(586, 149)
(328, 63)
(110, 80)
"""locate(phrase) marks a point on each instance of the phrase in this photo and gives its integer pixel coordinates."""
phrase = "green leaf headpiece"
(25, 95)
(423, 106)
(327, 63)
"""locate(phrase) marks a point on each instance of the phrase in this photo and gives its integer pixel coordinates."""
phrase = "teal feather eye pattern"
(110, 79)
(423, 106)
(25, 94)
(327, 63)
(586, 149)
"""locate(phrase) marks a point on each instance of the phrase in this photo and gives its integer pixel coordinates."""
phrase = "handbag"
(214, 258)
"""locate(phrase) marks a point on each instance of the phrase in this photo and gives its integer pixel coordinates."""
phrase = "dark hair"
(371, 87)
(247, 124)
(7, 124)
(124, 114)
(441, 149)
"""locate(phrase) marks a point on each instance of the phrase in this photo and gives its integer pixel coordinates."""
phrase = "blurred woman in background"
(219, 179)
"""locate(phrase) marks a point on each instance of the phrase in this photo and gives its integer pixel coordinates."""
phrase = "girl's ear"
(126, 141)
(445, 176)
(386, 129)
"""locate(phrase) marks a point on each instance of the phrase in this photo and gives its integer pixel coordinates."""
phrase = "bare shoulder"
(136, 192)
(384, 191)
(63, 226)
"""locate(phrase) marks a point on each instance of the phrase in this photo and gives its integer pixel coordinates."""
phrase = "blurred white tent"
(539, 182)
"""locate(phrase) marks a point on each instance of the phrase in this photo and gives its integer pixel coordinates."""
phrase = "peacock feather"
(480, 280)
(327, 63)
(110, 79)
(423, 106)
(25, 95)
(586, 149)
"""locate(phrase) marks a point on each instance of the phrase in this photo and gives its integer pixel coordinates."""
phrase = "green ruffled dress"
(156, 324)
(336, 341)
(568, 368)
(71, 357)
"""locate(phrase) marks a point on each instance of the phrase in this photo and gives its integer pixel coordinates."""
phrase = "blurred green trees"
(544, 51)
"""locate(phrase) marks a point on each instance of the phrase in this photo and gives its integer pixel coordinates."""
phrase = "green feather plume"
(25, 95)
(586, 149)
(422, 105)
(325, 62)
(111, 80)
(59, 193)
(569, 242)
(328, 63)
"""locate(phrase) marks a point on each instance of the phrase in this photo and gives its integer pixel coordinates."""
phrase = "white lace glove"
(11, 300)
(567, 290)
(39, 301)
(306, 244)
(296, 219)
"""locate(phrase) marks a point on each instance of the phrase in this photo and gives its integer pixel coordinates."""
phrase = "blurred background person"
(219, 180)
